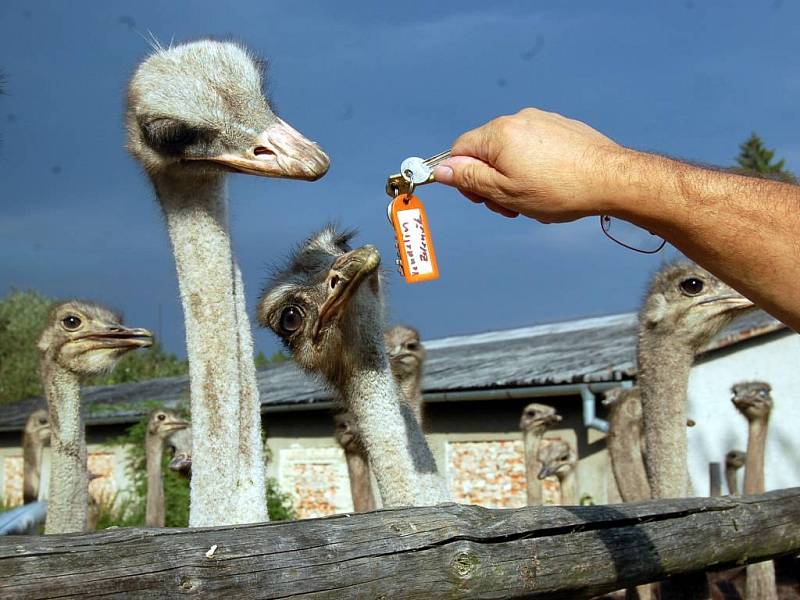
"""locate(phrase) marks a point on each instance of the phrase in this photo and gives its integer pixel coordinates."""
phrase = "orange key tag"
(414, 242)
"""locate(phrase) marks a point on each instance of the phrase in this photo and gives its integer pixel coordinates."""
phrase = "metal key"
(414, 171)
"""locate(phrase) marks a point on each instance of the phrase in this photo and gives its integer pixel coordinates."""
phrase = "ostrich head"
(735, 459)
(347, 433)
(557, 458)
(538, 417)
(688, 302)
(163, 422)
(327, 306)
(753, 399)
(406, 353)
(37, 427)
(180, 440)
(88, 339)
(198, 108)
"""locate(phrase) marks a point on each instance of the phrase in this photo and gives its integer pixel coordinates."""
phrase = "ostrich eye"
(762, 393)
(170, 136)
(412, 346)
(161, 417)
(291, 319)
(692, 286)
(71, 322)
(42, 421)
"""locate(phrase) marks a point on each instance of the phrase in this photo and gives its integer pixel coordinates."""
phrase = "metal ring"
(411, 187)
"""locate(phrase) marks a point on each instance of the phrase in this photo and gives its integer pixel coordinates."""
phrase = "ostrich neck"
(730, 478)
(569, 487)
(411, 388)
(531, 439)
(663, 379)
(625, 450)
(68, 496)
(31, 467)
(360, 484)
(396, 447)
(754, 460)
(227, 483)
(154, 508)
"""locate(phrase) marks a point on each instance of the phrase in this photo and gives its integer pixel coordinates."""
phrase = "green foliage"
(755, 158)
(141, 365)
(22, 319)
(262, 361)
(128, 508)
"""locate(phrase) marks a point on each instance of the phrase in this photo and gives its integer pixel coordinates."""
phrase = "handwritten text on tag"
(415, 242)
(417, 258)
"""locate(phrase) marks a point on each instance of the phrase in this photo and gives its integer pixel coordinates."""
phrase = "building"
(475, 389)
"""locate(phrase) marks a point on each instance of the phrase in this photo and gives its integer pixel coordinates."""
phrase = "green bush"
(128, 508)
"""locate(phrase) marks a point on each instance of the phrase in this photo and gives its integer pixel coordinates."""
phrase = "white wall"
(720, 427)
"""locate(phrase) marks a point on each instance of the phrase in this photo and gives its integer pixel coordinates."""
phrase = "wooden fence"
(449, 551)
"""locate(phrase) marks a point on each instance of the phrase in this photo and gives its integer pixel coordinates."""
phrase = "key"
(414, 171)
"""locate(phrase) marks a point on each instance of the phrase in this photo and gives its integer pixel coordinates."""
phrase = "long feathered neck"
(754, 459)
(154, 507)
(69, 483)
(730, 478)
(32, 448)
(625, 449)
(227, 471)
(569, 487)
(532, 438)
(663, 379)
(411, 387)
(396, 447)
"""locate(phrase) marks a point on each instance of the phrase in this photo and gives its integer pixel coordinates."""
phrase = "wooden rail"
(449, 551)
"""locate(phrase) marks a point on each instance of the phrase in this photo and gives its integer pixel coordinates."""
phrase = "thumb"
(469, 175)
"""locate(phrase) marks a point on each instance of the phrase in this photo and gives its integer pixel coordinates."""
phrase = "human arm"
(548, 167)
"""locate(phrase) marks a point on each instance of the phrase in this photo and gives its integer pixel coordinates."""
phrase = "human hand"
(535, 163)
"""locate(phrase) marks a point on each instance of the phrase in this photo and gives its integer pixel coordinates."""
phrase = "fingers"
(471, 175)
(494, 207)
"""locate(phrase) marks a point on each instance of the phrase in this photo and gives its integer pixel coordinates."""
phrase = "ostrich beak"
(344, 279)
(114, 335)
(733, 302)
(182, 463)
(547, 471)
(278, 151)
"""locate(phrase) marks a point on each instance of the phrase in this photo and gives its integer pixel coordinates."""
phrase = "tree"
(22, 319)
(262, 362)
(150, 363)
(755, 158)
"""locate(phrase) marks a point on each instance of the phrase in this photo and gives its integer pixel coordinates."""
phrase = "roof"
(600, 349)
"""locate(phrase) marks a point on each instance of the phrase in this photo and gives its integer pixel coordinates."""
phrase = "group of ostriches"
(196, 112)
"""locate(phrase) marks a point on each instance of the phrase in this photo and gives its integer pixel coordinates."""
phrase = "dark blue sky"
(374, 83)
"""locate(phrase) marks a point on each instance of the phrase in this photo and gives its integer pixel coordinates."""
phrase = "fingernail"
(443, 174)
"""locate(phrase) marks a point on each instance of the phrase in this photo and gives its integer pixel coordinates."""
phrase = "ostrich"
(35, 437)
(754, 400)
(349, 438)
(80, 340)
(196, 112)
(535, 420)
(559, 459)
(160, 425)
(684, 308)
(327, 307)
(407, 358)
(625, 443)
(181, 443)
(734, 460)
